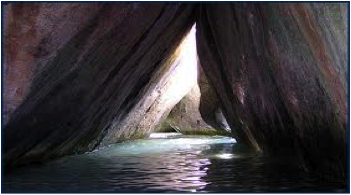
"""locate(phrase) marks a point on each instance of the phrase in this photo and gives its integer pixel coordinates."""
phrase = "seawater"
(168, 162)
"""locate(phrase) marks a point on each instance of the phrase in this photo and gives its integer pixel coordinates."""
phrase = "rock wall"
(98, 59)
(280, 72)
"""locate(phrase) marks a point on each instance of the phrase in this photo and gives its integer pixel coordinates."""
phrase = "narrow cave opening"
(194, 119)
(194, 105)
(113, 97)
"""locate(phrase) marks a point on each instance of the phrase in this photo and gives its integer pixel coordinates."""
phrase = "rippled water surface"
(167, 164)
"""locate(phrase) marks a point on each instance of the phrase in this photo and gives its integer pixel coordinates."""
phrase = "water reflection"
(245, 170)
(172, 164)
(176, 164)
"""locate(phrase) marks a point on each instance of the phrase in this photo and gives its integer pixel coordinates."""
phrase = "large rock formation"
(90, 79)
(75, 75)
(279, 70)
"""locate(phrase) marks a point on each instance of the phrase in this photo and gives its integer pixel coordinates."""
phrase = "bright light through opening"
(225, 156)
(184, 74)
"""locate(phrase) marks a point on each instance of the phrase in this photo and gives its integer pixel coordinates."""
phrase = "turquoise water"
(167, 163)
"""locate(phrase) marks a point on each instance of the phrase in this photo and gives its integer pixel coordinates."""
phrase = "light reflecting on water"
(167, 164)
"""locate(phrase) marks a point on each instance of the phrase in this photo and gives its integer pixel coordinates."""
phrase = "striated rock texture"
(85, 74)
(280, 73)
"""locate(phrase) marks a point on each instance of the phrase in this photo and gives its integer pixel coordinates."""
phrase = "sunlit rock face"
(185, 115)
(166, 88)
(280, 73)
(75, 70)
(198, 110)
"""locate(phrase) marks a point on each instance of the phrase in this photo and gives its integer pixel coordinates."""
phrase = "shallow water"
(166, 163)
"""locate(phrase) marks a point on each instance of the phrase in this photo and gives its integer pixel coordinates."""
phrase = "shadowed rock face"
(90, 81)
(279, 70)
(75, 75)
(210, 107)
(34, 33)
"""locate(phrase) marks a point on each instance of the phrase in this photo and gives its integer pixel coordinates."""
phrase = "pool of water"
(167, 163)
